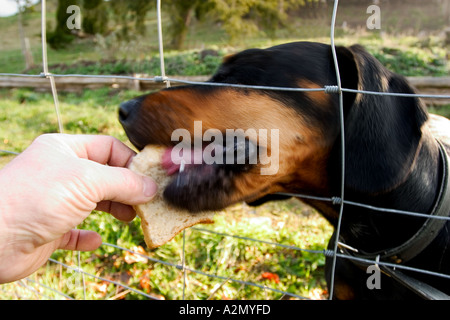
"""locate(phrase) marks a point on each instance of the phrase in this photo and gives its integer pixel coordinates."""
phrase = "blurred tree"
(61, 35)
(126, 17)
(95, 17)
(239, 18)
(181, 15)
(129, 16)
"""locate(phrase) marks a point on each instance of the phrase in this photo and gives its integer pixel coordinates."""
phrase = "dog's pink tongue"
(168, 164)
(189, 158)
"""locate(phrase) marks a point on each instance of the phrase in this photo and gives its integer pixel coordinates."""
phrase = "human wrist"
(5, 237)
(6, 246)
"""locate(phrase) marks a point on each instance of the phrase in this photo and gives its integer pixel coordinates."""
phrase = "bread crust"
(160, 221)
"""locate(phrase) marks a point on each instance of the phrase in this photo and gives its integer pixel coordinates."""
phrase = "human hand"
(52, 186)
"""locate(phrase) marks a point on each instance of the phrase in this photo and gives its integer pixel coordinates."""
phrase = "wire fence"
(339, 200)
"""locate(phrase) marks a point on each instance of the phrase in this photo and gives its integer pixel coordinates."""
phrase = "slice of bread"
(160, 221)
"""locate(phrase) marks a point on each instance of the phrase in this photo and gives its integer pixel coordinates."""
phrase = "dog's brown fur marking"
(300, 160)
(319, 97)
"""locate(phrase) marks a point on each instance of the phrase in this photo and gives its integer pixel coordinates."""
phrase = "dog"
(395, 156)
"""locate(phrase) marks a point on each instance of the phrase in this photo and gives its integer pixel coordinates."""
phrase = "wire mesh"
(337, 200)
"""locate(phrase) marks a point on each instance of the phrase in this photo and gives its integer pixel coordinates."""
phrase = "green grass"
(443, 110)
(188, 63)
(26, 114)
(406, 56)
(410, 56)
(287, 222)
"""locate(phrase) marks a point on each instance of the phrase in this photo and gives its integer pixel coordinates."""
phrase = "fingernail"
(150, 187)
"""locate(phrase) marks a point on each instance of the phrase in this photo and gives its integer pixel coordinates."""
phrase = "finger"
(120, 211)
(99, 148)
(108, 150)
(80, 240)
(120, 185)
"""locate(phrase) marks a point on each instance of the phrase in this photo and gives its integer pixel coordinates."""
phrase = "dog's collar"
(418, 242)
(431, 228)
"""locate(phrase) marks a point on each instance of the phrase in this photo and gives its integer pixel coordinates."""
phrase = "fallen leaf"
(144, 281)
(133, 257)
(271, 276)
(145, 284)
(100, 287)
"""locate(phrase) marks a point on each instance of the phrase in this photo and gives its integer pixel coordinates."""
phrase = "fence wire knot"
(45, 74)
(332, 89)
(328, 253)
(336, 200)
(161, 79)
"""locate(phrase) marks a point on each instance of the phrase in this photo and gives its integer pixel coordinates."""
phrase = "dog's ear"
(382, 133)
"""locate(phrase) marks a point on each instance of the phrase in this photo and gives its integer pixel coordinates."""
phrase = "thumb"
(122, 185)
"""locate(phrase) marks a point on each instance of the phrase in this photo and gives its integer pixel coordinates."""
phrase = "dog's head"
(270, 141)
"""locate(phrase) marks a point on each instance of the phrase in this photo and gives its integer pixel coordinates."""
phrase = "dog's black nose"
(123, 112)
(127, 109)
